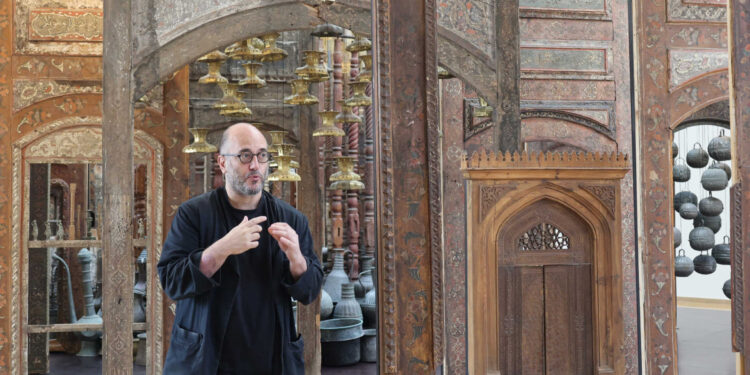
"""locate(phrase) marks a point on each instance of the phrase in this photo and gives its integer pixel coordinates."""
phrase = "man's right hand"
(245, 236)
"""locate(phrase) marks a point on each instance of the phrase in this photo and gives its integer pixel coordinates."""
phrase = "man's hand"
(243, 237)
(288, 240)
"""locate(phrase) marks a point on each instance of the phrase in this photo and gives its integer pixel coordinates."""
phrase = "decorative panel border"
(688, 64)
(66, 25)
(8, 350)
(564, 60)
(566, 9)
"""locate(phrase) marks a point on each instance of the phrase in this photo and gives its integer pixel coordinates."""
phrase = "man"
(232, 260)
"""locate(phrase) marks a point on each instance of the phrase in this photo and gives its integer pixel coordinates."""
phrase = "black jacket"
(204, 304)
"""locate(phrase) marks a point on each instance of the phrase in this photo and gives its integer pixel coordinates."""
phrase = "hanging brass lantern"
(214, 61)
(345, 178)
(347, 116)
(199, 142)
(359, 98)
(284, 171)
(443, 73)
(313, 70)
(242, 110)
(251, 76)
(484, 110)
(300, 95)
(359, 44)
(230, 100)
(328, 128)
(270, 51)
(277, 139)
(243, 50)
(365, 75)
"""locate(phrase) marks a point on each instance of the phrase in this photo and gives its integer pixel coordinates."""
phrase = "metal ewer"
(722, 253)
(348, 306)
(683, 266)
(723, 166)
(697, 157)
(704, 264)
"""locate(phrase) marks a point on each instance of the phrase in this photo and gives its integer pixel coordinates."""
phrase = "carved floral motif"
(679, 11)
(27, 92)
(685, 65)
(605, 193)
(490, 195)
(77, 143)
(66, 25)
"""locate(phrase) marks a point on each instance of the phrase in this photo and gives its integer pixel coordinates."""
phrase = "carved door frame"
(82, 131)
(501, 186)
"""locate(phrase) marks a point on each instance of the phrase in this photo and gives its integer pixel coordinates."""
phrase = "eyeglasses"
(246, 157)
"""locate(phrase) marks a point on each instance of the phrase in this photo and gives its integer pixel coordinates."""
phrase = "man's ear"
(222, 160)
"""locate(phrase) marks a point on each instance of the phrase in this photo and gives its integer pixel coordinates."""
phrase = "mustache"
(251, 174)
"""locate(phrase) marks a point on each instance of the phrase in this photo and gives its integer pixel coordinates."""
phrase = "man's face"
(246, 179)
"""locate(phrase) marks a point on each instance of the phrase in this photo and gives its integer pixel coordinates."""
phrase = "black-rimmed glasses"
(246, 157)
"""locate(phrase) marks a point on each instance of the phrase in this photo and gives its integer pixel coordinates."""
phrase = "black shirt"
(253, 310)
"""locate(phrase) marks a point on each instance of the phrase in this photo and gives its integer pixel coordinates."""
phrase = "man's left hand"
(288, 241)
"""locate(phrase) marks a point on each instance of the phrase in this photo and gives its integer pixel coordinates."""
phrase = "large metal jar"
(684, 197)
(697, 157)
(675, 150)
(683, 266)
(680, 173)
(340, 341)
(677, 237)
(326, 305)
(714, 179)
(727, 289)
(348, 306)
(704, 264)
(720, 148)
(710, 206)
(688, 211)
(724, 167)
(722, 253)
(713, 222)
(701, 238)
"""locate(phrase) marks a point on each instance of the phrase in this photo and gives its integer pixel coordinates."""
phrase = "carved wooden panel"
(521, 320)
(54, 28)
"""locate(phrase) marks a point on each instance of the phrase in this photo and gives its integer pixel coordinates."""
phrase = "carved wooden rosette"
(508, 192)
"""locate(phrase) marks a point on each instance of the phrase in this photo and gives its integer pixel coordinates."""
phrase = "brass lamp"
(284, 171)
(214, 61)
(359, 44)
(243, 50)
(251, 76)
(300, 95)
(278, 147)
(359, 98)
(241, 111)
(328, 128)
(365, 75)
(345, 178)
(313, 71)
(199, 142)
(347, 116)
(270, 51)
(230, 100)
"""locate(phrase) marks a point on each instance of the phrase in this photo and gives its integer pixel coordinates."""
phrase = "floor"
(704, 342)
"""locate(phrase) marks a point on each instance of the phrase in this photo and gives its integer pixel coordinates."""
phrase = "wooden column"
(508, 112)
(410, 248)
(337, 207)
(9, 358)
(117, 160)
(739, 29)
(352, 196)
(368, 176)
(177, 119)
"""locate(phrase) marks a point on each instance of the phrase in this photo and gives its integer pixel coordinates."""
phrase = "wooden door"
(545, 293)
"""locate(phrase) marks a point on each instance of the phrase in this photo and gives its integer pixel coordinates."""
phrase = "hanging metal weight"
(722, 253)
(727, 289)
(710, 206)
(704, 264)
(697, 157)
(680, 171)
(714, 179)
(683, 266)
(675, 150)
(713, 222)
(720, 148)
(677, 237)
(684, 197)
(688, 211)
(701, 238)
(723, 166)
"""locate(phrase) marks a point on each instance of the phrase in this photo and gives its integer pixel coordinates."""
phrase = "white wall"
(697, 285)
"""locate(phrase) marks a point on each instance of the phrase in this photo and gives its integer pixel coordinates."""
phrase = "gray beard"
(239, 184)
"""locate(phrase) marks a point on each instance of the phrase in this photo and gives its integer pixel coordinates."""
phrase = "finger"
(255, 229)
(244, 220)
(257, 220)
(253, 245)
